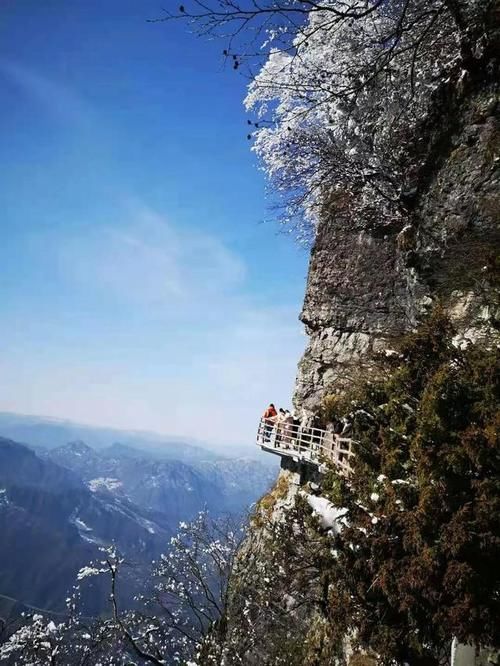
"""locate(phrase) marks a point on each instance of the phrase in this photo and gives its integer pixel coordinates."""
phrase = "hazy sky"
(139, 287)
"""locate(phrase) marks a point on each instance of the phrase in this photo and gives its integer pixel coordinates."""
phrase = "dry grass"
(359, 659)
(266, 504)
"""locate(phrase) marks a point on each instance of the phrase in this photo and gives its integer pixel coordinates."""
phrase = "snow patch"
(390, 353)
(103, 483)
(92, 539)
(86, 572)
(147, 524)
(81, 526)
(330, 517)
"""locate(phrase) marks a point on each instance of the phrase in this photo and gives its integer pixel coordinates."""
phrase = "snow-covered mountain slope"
(57, 507)
(52, 524)
(173, 488)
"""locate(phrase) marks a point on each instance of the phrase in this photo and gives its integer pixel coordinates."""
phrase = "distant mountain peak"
(40, 432)
(117, 448)
(78, 446)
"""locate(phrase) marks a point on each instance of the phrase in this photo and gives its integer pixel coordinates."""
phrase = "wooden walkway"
(304, 444)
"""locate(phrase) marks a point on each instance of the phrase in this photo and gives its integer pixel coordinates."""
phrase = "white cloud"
(58, 100)
(147, 260)
(217, 395)
(204, 366)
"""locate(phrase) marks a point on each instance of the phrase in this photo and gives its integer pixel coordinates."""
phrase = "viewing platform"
(306, 444)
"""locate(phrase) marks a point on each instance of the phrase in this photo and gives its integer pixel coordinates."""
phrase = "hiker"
(269, 418)
(337, 426)
(316, 432)
(280, 420)
(289, 428)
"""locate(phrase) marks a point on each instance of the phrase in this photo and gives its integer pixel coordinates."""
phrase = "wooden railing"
(305, 443)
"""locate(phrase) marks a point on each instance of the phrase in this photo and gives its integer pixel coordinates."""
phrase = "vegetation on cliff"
(417, 563)
(410, 561)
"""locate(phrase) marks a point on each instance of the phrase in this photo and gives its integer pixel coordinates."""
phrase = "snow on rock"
(4, 500)
(329, 516)
(389, 353)
(86, 572)
(81, 526)
(102, 483)
(147, 524)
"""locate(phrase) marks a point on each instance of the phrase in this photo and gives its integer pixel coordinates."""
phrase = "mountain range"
(41, 431)
(60, 504)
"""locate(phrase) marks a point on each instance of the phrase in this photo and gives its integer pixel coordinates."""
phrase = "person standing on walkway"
(269, 418)
(289, 429)
(279, 421)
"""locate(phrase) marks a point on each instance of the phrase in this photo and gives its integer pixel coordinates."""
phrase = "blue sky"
(140, 287)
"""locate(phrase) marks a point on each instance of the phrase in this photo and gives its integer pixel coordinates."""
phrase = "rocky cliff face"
(367, 286)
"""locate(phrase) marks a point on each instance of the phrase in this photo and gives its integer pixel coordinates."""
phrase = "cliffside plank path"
(306, 444)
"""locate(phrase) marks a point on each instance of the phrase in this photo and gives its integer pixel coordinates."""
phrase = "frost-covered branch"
(183, 610)
(341, 92)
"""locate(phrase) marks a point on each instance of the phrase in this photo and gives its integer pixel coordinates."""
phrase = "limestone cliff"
(368, 286)
(369, 283)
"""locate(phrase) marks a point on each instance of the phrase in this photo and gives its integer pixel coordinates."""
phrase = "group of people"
(283, 422)
(287, 427)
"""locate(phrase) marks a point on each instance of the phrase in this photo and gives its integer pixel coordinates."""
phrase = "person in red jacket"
(269, 418)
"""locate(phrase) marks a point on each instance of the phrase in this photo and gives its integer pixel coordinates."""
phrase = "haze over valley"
(61, 499)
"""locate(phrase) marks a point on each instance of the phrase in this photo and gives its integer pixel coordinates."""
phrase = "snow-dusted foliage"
(38, 642)
(340, 91)
(179, 616)
(414, 560)
(73, 640)
(191, 585)
(277, 585)
(340, 105)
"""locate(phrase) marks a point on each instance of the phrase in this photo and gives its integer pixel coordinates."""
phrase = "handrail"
(306, 443)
